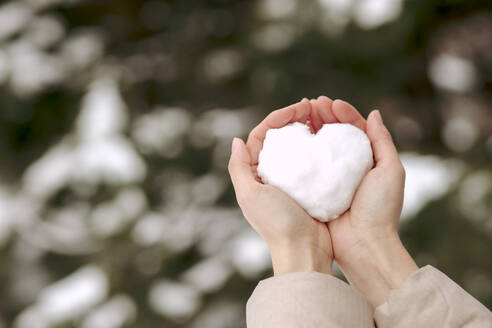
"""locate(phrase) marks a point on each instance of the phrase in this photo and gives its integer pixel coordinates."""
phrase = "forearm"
(378, 266)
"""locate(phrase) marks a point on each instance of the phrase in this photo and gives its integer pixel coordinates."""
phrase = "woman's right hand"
(297, 242)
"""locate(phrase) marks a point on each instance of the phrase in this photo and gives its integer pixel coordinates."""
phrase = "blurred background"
(116, 119)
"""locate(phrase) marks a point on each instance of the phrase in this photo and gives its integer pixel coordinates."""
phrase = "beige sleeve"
(307, 300)
(430, 299)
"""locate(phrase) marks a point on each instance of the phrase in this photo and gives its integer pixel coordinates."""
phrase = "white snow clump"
(320, 171)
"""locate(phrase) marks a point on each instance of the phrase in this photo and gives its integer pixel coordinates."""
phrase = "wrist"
(378, 266)
(298, 258)
(393, 261)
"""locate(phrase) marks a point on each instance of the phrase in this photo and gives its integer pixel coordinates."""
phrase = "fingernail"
(234, 144)
(378, 117)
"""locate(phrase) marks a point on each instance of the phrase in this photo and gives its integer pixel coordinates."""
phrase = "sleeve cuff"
(307, 299)
(430, 299)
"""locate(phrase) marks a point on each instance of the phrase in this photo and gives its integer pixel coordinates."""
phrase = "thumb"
(383, 148)
(240, 170)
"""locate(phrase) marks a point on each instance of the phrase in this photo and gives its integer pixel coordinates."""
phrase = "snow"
(320, 171)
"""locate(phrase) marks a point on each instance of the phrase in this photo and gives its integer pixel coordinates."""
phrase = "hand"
(296, 241)
(365, 239)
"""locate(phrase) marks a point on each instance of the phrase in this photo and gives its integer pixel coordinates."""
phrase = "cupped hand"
(365, 239)
(296, 241)
(377, 204)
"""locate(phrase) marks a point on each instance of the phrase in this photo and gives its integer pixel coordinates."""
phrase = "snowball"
(320, 171)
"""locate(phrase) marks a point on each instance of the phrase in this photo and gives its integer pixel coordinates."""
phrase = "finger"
(315, 122)
(346, 113)
(324, 110)
(254, 168)
(383, 148)
(298, 112)
(240, 170)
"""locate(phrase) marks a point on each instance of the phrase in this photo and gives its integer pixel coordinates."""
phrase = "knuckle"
(230, 166)
(254, 133)
(387, 135)
(400, 171)
(251, 134)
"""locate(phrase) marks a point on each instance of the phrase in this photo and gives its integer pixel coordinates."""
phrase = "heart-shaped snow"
(320, 171)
